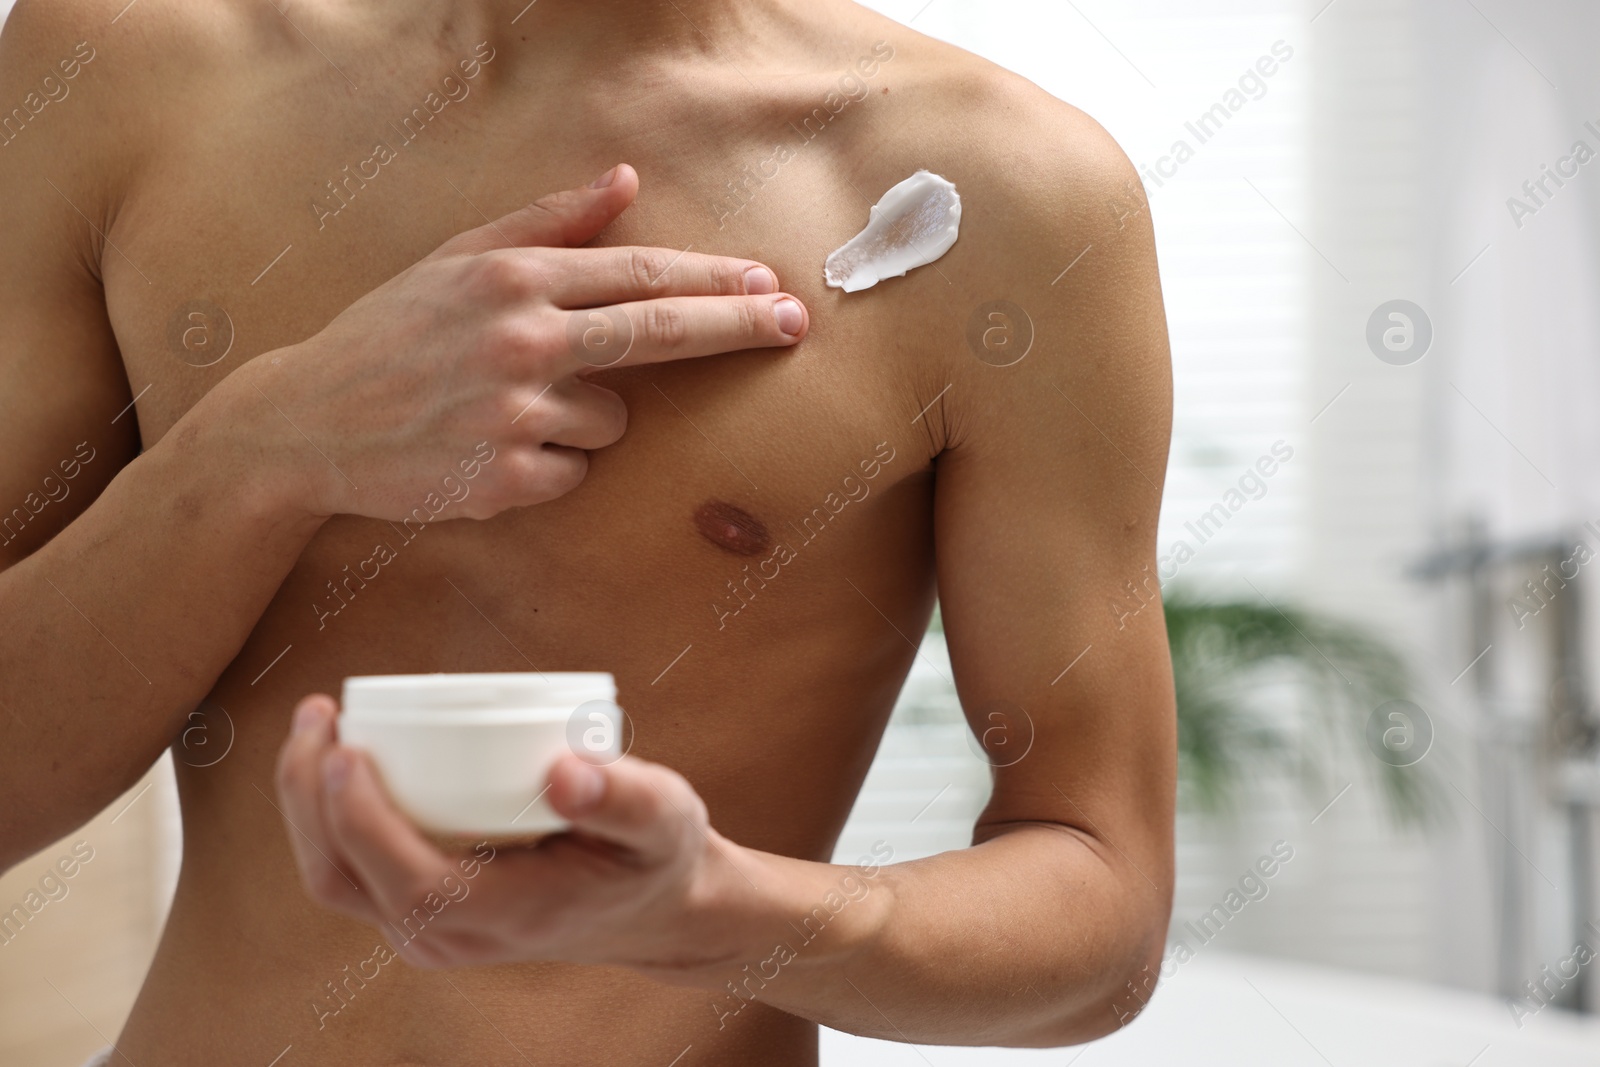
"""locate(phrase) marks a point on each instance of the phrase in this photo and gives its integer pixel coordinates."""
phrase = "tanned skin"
(200, 558)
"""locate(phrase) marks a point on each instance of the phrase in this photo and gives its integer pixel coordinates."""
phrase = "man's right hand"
(489, 338)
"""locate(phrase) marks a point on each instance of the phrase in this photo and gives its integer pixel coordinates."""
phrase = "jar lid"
(380, 694)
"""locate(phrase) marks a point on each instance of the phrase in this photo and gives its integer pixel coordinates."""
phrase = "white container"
(469, 755)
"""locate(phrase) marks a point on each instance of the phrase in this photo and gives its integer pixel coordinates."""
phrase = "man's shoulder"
(140, 31)
(1033, 160)
(94, 83)
(1056, 255)
(1040, 180)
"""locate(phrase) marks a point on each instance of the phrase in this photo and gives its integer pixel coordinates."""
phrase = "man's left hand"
(640, 880)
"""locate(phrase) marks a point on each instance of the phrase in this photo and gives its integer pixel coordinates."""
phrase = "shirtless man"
(254, 303)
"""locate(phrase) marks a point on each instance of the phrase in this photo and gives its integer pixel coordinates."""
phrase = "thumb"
(642, 806)
(565, 219)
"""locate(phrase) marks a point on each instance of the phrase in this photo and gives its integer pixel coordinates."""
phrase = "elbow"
(1130, 989)
(1118, 993)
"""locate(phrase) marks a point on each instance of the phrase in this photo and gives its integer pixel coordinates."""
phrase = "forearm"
(114, 630)
(1026, 940)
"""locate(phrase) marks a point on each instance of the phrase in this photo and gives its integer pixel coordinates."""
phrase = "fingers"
(643, 806)
(399, 868)
(533, 475)
(655, 331)
(576, 414)
(591, 277)
(563, 219)
(299, 780)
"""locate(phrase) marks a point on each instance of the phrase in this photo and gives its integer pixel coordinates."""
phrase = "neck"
(631, 29)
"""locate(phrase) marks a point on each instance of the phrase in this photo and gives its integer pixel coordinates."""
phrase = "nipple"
(732, 528)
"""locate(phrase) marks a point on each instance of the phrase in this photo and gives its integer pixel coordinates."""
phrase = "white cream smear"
(914, 224)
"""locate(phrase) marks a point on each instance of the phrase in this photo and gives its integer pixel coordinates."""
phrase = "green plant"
(1230, 658)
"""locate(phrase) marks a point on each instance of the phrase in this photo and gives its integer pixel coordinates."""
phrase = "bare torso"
(753, 561)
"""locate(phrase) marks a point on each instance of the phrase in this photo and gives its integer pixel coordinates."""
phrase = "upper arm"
(61, 378)
(1047, 496)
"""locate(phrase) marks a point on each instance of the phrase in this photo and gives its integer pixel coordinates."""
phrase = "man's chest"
(732, 465)
(231, 245)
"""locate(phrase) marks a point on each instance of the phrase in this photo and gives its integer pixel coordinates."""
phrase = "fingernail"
(336, 770)
(789, 316)
(759, 281)
(306, 717)
(588, 782)
(605, 179)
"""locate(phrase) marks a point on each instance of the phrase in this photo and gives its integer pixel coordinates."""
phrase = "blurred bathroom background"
(1380, 256)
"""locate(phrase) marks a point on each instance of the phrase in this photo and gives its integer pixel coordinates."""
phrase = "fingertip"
(576, 787)
(337, 766)
(621, 178)
(352, 790)
(760, 280)
(791, 317)
(599, 204)
(313, 712)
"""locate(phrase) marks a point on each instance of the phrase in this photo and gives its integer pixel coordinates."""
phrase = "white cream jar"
(468, 755)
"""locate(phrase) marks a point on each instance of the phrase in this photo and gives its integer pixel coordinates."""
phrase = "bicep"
(62, 384)
(1045, 518)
